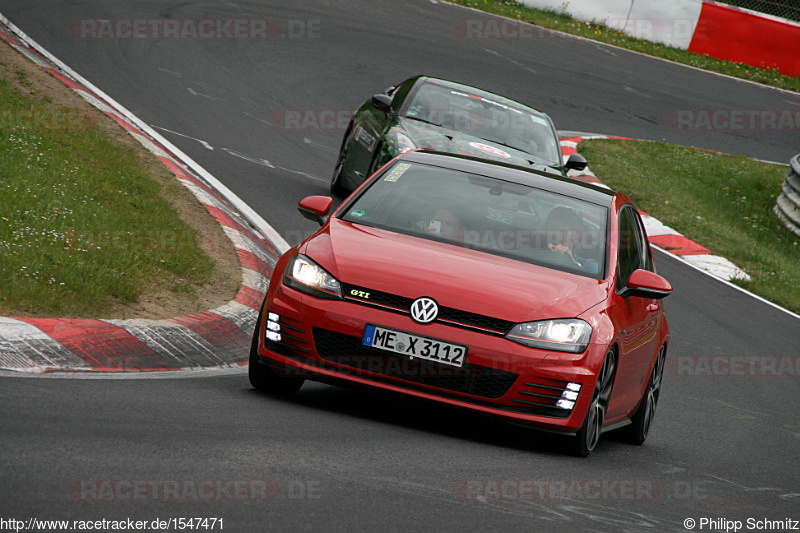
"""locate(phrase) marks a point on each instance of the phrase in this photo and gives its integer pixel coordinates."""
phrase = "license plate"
(414, 345)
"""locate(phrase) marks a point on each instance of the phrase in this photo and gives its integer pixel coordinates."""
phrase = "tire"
(375, 164)
(337, 189)
(262, 377)
(642, 419)
(588, 435)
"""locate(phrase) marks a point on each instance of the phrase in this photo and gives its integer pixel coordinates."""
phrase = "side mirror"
(382, 102)
(576, 162)
(315, 208)
(646, 284)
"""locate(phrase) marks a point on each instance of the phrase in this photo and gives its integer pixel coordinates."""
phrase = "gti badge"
(424, 310)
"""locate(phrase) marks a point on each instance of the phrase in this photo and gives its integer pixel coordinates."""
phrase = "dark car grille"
(476, 380)
(447, 315)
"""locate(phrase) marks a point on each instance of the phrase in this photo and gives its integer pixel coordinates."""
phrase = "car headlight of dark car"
(562, 335)
(306, 276)
(403, 143)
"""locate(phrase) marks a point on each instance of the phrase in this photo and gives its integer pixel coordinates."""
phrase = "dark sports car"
(491, 287)
(424, 112)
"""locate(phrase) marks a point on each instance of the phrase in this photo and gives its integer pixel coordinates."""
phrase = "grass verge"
(723, 202)
(599, 32)
(85, 229)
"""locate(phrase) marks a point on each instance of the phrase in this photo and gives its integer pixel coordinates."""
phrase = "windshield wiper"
(423, 120)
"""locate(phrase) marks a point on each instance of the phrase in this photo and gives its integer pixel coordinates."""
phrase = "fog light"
(273, 327)
(569, 395)
(565, 404)
(574, 386)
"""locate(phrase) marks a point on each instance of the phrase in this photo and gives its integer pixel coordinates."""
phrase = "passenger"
(528, 140)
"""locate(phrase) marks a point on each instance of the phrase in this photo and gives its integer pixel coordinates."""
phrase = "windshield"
(486, 116)
(486, 214)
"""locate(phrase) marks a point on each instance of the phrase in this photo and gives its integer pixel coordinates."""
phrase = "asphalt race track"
(726, 440)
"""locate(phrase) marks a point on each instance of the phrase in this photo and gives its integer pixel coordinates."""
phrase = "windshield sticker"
(503, 217)
(497, 152)
(358, 213)
(398, 171)
(487, 101)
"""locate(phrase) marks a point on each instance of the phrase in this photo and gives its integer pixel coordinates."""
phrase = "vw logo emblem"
(424, 310)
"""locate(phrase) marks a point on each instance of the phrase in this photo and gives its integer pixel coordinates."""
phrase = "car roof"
(514, 174)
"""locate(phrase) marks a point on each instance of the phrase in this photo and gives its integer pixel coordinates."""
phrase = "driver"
(562, 227)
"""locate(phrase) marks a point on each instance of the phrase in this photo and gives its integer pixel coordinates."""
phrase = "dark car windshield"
(487, 116)
(487, 214)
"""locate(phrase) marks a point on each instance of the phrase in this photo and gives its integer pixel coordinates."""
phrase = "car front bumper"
(321, 339)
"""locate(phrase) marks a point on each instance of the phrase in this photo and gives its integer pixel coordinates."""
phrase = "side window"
(400, 92)
(632, 253)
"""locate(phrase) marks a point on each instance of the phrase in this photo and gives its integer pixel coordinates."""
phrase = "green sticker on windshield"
(396, 172)
(358, 213)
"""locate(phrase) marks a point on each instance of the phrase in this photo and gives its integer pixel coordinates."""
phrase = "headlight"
(404, 143)
(306, 276)
(562, 335)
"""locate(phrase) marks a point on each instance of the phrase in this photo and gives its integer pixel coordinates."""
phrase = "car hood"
(444, 139)
(455, 277)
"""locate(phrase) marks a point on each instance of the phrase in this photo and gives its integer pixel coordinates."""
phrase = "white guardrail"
(788, 205)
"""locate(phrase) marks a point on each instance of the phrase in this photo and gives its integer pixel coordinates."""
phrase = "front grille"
(447, 315)
(476, 380)
(457, 317)
(376, 298)
(539, 395)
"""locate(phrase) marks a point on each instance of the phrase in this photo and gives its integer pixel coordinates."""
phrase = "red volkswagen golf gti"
(482, 285)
